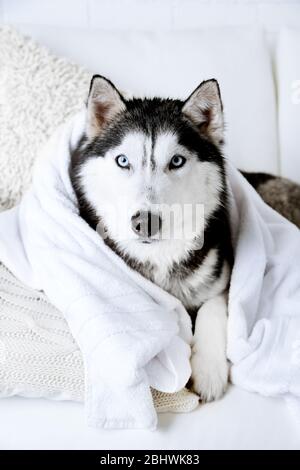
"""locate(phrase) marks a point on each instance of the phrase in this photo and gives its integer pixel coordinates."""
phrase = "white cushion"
(175, 63)
(288, 69)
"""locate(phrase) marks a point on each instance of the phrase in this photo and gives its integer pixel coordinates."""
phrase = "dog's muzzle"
(146, 224)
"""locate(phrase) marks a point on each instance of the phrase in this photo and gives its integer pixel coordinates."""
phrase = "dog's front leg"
(209, 363)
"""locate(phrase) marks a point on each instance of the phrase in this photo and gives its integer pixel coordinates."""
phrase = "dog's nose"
(146, 224)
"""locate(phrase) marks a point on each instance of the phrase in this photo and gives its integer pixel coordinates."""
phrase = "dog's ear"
(204, 108)
(104, 103)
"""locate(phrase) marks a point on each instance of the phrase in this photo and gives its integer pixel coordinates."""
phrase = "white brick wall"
(151, 14)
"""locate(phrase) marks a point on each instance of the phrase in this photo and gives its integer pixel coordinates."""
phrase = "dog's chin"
(143, 250)
(148, 242)
(136, 244)
(155, 250)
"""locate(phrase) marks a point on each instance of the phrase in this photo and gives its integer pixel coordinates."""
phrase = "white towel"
(264, 296)
(131, 333)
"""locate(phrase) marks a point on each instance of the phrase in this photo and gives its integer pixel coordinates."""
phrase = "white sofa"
(168, 47)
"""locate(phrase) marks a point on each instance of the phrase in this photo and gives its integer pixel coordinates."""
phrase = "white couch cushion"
(175, 63)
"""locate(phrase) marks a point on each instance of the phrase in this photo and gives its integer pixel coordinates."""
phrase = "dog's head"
(146, 162)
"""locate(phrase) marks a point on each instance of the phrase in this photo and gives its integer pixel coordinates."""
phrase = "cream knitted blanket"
(38, 355)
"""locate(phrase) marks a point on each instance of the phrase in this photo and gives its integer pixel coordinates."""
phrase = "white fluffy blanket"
(264, 297)
(132, 334)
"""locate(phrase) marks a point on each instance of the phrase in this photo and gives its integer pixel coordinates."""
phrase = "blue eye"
(123, 162)
(176, 162)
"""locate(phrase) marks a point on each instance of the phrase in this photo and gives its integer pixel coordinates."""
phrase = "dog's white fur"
(209, 363)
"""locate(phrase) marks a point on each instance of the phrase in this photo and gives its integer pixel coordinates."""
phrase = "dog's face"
(148, 164)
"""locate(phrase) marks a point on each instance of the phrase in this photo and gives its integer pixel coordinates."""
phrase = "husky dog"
(147, 153)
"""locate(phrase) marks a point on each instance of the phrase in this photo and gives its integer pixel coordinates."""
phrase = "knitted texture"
(38, 92)
(38, 355)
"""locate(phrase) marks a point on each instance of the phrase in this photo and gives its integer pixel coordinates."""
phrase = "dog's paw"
(209, 377)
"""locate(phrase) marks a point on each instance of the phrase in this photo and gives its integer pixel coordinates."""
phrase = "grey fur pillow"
(281, 194)
(38, 92)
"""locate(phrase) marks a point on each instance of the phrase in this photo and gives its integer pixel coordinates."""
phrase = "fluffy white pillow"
(288, 69)
(38, 91)
(174, 63)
